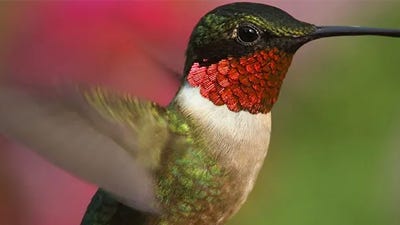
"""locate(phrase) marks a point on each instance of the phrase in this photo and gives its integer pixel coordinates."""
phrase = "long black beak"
(331, 31)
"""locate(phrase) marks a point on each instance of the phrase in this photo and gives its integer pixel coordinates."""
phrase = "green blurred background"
(334, 156)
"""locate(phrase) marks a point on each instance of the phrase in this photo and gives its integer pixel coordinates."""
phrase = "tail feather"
(105, 210)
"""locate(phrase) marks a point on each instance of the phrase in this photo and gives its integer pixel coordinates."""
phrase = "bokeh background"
(335, 150)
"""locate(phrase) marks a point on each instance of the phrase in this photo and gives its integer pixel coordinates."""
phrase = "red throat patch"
(250, 83)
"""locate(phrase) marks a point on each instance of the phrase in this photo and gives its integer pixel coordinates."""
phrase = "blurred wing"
(106, 139)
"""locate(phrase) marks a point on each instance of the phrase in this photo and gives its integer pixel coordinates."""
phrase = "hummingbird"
(194, 161)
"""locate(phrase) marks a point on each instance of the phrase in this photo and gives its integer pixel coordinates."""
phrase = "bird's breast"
(214, 176)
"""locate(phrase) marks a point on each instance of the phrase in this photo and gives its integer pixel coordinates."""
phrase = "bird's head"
(238, 54)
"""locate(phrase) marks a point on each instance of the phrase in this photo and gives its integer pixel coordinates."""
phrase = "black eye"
(247, 34)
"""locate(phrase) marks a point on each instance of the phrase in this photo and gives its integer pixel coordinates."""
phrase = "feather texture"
(100, 137)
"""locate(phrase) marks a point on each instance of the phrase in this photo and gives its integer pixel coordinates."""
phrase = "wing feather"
(100, 137)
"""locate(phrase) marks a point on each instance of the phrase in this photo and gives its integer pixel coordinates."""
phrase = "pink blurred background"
(44, 42)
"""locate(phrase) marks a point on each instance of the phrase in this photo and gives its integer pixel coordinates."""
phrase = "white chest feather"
(241, 129)
(240, 139)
